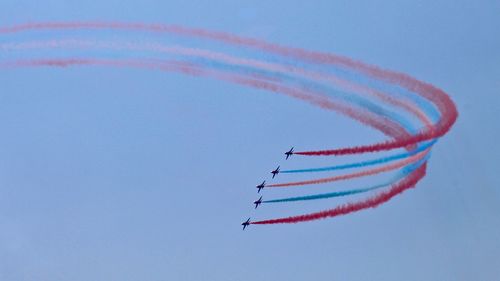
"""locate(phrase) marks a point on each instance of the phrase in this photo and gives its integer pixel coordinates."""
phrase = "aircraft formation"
(411, 161)
(259, 187)
(412, 115)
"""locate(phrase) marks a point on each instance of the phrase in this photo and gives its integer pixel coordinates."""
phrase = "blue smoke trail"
(403, 173)
(365, 163)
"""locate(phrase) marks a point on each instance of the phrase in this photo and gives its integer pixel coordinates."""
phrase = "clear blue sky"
(113, 174)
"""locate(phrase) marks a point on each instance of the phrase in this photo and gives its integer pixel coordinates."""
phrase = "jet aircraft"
(246, 223)
(276, 171)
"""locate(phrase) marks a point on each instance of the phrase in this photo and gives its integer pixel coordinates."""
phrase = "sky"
(127, 174)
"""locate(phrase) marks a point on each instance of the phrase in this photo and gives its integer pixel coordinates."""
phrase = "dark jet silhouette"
(245, 224)
(276, 171)
(258, 202)
(289, 153)
(261, 186)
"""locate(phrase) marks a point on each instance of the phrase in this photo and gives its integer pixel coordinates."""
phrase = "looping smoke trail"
(384, 123)
(342, 88)
(431, 93)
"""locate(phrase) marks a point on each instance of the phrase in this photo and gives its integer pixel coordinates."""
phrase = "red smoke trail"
(444, 104)
(364, 173)
(449, 115)
(409, 182)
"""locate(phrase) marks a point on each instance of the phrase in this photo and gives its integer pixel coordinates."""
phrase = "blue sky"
(118, 174)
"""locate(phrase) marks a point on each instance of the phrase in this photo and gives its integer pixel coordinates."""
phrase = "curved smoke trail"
(384, 122)
(362, 92)
(431, 93)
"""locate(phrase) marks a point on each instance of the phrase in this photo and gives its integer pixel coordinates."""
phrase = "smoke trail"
(387, 126)
(354, 107)
(255, 64)
(438, 97)
(336, 194)
(211, 55)
(374, 171)
(403, 173)
(372, 202)
(365, 163)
